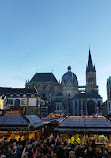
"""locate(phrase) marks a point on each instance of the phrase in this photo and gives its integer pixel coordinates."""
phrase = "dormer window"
(24, 95)
(18, 95)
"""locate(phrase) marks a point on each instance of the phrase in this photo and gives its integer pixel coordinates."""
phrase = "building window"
(24, 95)
(23, 102)
(84, 107)
(109, 106)
(99, 104)
(75, 107)
(10, 101)
(57, 106)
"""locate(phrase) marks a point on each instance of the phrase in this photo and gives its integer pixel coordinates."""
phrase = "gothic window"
(70, 107)
(99, 104)
(55, 107)
(75, 107)
(80, 107)
(91, 107)
(84, 107)
(58, 106)
(65, 105)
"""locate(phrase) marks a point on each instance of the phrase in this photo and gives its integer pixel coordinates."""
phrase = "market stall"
(85, 128)
(14, 125)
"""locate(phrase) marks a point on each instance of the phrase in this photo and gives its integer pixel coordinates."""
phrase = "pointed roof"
(90, 66)
(90, 59)
(44, 77)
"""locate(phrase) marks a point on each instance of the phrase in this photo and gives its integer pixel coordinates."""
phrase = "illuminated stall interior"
(14, 125)
(96, 128)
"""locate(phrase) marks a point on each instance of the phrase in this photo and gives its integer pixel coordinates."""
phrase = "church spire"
(90, 66)
(90, 59)
(91, 75)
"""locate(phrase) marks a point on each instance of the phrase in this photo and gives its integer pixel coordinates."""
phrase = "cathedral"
(68, 97)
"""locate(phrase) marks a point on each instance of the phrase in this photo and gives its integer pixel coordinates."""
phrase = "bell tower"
(91, 75)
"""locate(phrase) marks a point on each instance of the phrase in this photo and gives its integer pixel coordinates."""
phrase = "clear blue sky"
(46, 35)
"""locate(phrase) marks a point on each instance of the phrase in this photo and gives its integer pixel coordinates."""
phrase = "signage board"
(12, 113)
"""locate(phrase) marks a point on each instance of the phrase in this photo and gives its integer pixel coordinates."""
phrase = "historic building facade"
(109, 95)
(23, 99)
(67, 97)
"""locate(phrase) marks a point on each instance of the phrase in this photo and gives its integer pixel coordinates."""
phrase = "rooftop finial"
(89, 46)
(69, 68)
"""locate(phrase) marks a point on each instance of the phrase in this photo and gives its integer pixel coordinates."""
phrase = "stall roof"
(13, 123)
(47, 120)
(83, 130)
(12, 120)
(34, 121)
(20, 122)
(86, 123)
(60, 119)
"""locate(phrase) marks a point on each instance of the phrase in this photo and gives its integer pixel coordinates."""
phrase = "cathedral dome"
(69, 76)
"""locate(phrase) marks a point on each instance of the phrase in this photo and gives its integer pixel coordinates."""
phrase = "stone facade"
(91, 81)
(48, 86)
(91, 76)
(67, 97)
(69, 84)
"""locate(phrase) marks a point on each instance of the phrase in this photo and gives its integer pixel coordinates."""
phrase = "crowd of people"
(51, 147)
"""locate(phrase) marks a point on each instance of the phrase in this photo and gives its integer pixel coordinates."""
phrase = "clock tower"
(91, 75)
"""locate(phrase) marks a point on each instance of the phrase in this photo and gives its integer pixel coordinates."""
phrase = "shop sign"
(12, 113)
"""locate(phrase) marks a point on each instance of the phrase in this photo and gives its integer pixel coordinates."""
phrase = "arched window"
(17, 104)
(99, 104)
(91, 107)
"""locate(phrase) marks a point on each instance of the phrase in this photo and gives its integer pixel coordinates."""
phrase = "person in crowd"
(51, 147)
(3, 156)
